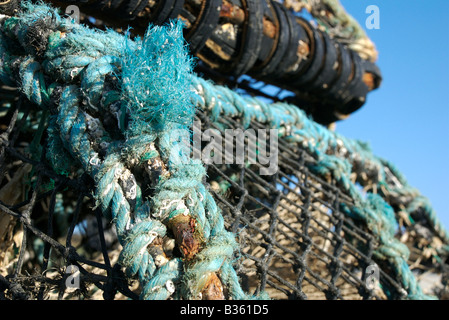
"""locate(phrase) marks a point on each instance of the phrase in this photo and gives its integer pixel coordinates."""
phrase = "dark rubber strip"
(328, 72)
(355, 93)
(99, 5)
(227, 44)
(204, 25)
(345, 63)
(267, 47)
(125, 10)
(372, 68)
(347, 93)
(281, 46)
(128, 7)
(138, 9)
(317, 54)
(251, 39)
(291, 57)
(115, 4)
(187, 15)
(170, 9)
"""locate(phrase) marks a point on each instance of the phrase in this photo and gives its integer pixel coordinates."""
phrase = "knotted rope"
(331, 16)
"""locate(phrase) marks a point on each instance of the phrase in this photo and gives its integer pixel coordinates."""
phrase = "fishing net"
(301, 232)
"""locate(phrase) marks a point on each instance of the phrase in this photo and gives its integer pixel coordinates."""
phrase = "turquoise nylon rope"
(295, 126)
(159, 93)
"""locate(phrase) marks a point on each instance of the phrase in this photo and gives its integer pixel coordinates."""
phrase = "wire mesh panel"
(294, 242)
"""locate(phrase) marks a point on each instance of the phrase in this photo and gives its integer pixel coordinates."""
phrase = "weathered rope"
(115, 105)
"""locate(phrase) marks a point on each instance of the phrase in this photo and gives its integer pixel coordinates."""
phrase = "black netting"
(294, 242)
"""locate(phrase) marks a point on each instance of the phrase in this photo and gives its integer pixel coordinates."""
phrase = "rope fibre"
(149, 81)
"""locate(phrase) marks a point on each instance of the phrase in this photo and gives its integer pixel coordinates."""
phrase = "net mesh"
(294, 242)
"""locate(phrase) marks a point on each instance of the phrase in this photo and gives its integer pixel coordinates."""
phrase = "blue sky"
(407, 119)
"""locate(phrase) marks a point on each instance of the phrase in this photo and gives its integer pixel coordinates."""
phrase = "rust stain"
(233, 13)
(213, 290)
(269, 29)
(186, 236)
(190, 241)
(368, 79)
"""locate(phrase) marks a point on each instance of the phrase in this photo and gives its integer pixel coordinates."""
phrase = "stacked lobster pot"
(261, 39)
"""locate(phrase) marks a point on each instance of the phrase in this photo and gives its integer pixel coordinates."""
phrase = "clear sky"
(407, 119)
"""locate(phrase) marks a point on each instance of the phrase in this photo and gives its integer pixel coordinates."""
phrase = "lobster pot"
(101, 198)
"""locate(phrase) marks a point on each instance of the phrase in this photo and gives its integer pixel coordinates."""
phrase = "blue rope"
(322, 144)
